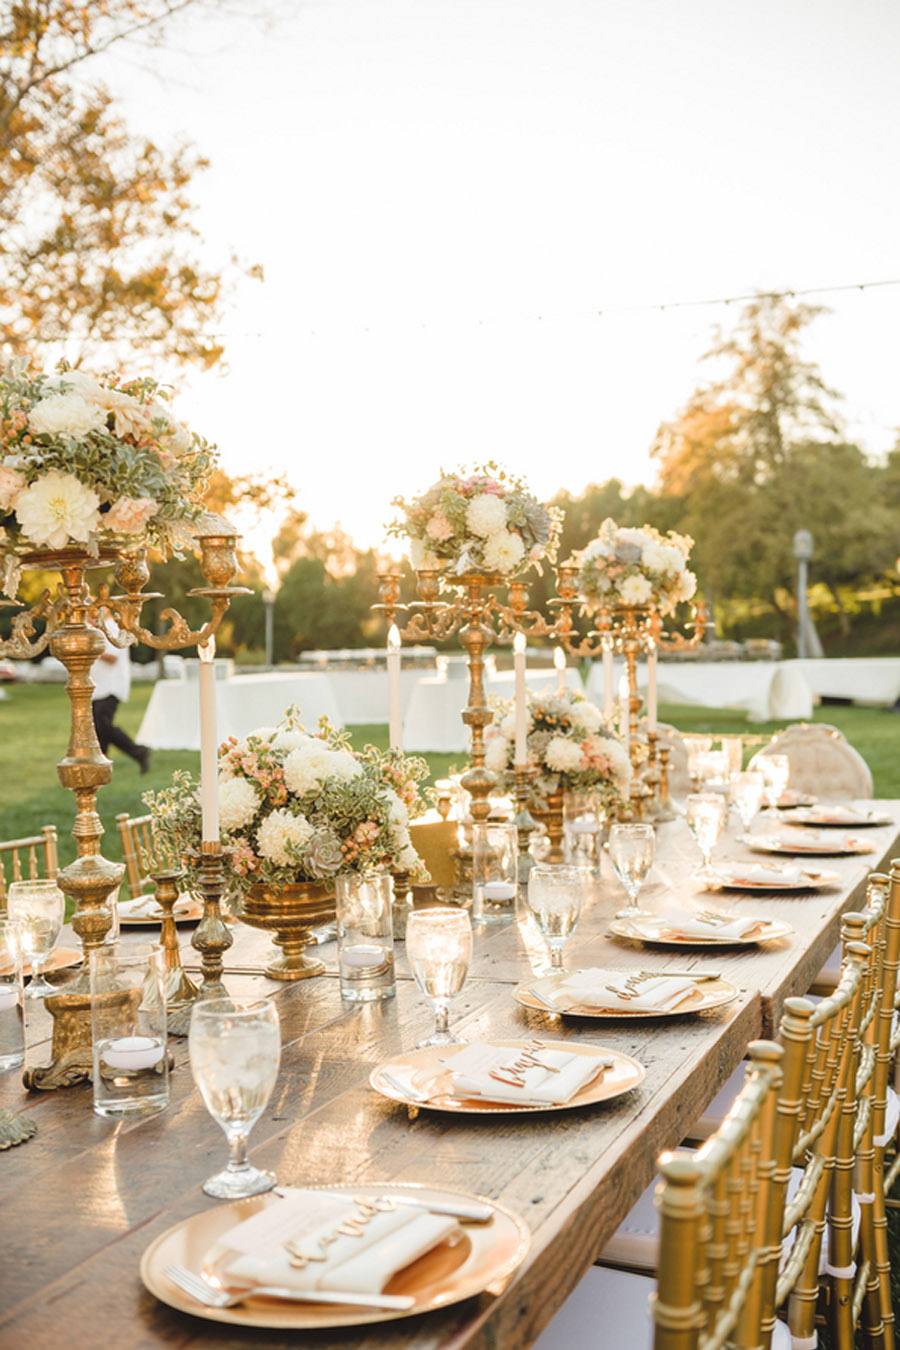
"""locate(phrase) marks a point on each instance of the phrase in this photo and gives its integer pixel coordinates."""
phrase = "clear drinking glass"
(12, 999)
(747, 793)
(439, 948)
(495, 874)
(733, 749)
(583, 829)
(38, 907)
(555, 896)
(706, 814)
(776, 770)
(128, 1027)
(235, 1049)
(632, 848)
(533, 940)
(365, 936)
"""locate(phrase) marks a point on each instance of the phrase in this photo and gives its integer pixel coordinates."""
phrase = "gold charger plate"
(186, 911)
(62, 958)
(776, 843)
(768, 931)
(455, 1270)
(710, 994)
(813, 880)
(818, 817)
(625, 1074)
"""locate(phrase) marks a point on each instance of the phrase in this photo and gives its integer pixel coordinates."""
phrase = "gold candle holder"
(525, 822)
(402, 904)
(211, 937)
(664, 809)
(181, 992)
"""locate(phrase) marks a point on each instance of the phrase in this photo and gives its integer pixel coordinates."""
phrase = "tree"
(96, 223)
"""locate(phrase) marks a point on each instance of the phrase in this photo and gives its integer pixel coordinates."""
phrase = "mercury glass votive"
(495, 860)
(365, 937)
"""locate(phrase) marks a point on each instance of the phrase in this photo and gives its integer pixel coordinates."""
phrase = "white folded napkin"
(145, 907)
(684, 923)
(758, 874)
(362, 1258)
(598, 988)
(471, 1073)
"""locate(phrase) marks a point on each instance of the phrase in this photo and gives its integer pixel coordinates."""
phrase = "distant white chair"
(823, 762)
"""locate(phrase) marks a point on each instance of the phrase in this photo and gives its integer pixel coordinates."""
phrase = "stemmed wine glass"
(747, 793)
(439, 949)
(776, 770)
(235, 1050)
(555, 895)
(632, 848)
(37, 908)
(706, 817)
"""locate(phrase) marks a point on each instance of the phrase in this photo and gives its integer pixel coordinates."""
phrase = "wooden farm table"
(83, 1199)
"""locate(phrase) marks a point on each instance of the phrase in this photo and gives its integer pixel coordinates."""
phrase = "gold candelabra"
(75, 624)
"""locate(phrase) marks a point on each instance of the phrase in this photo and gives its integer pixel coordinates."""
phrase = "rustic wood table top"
(83, 1199)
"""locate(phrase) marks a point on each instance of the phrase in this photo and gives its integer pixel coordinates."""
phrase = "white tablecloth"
(865, 679)
(243, 703)
(362, 695)
(765, 690)
(433, 717)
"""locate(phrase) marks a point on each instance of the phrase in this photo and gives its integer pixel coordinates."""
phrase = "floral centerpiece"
(300, 807)
(83, 458)
(570, 748)
(485, 521)
(635, 568)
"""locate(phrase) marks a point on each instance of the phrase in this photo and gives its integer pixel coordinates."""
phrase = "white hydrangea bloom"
(563, 755)
(408, 859)
(496, 754)
(66, 414)
(292, 740)
(635, 590)
(280, 832)
(588, 714)
(239, 802)
(397, 812)
(486, 514)
(503, 551)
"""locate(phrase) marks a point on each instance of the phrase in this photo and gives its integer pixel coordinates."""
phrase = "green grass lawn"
(34, 729)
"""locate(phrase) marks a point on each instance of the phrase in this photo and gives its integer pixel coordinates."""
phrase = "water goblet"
(12, 999)
(439, 949)
(706, 818)
(37, 907)
(776, 770)
(746, 794)
(235, 1050)
(632, 847)
(555, 896)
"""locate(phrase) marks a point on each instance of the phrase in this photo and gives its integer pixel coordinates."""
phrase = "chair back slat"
(39, 853)
(141, 850)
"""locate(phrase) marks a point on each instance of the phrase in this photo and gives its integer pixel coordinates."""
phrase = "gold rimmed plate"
(706, 994)
(623, 1074)
(820, 818)
(648, 928)
(61, 958)
(723, 878)
(799, 844)
(478, 1258)
(187, 910)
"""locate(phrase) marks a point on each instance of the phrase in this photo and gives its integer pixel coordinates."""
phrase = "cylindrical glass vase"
(128, 1019)
(495, 858)
(365, 937)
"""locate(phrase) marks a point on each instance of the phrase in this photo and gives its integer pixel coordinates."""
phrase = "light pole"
(808, 643)
(268, 596)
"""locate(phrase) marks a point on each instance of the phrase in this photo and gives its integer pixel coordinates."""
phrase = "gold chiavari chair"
(139, 851)
(27, 859)
(718, 1218)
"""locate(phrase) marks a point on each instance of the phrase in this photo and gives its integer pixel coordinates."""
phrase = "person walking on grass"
(111, 674)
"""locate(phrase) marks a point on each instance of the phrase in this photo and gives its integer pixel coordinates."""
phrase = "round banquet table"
(764, 690)
(865, 679)
(243, 703)
(433, 717)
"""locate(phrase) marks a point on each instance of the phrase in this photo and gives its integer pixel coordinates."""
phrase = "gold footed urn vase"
(289, 913)
(551, 817)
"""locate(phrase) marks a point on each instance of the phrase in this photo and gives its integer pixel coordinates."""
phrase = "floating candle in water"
(363, 957)
(584, 825)
(133, 1052)
(498, 890)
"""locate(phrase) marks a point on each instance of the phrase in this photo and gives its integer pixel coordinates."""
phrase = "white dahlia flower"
(562, 755)
(239, 802)
(309, 765)
(486, 514)
(288, 740)
(281, 836)
(496, 754)
(66, 415)
(635, 590)
(503, 551)
(588, 714)
(58, 509)
(408, 860)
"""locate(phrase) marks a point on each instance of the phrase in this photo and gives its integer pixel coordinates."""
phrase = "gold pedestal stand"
(402, 904)
(524, 822)
(180, 990)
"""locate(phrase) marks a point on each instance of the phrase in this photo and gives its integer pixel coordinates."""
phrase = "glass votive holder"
(12, 999)
(495, 860)
(365, 937)
(128, 1026)
(583, 830)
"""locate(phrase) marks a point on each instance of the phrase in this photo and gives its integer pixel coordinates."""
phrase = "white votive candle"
(521, 755)
(498, 890)
(395, 729)
(209, 767)
(584, 825)
(363, 956)
(9, 997)
(133, 1052)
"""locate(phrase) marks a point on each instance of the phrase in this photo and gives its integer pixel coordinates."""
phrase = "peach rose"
(11, 484)
(129, 515)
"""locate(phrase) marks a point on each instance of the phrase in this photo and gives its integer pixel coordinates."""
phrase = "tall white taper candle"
(624, 713)
(651, 689)
(559, 660)
(209, 766)
(608, 681)
(395, 729)
(521, 756)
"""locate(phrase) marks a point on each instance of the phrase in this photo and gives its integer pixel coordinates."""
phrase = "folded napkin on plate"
(757, 874)
(842, 815)
(362, 1258)
(598, 988)
(683, 923)
(471, 1074)
(145, 907)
